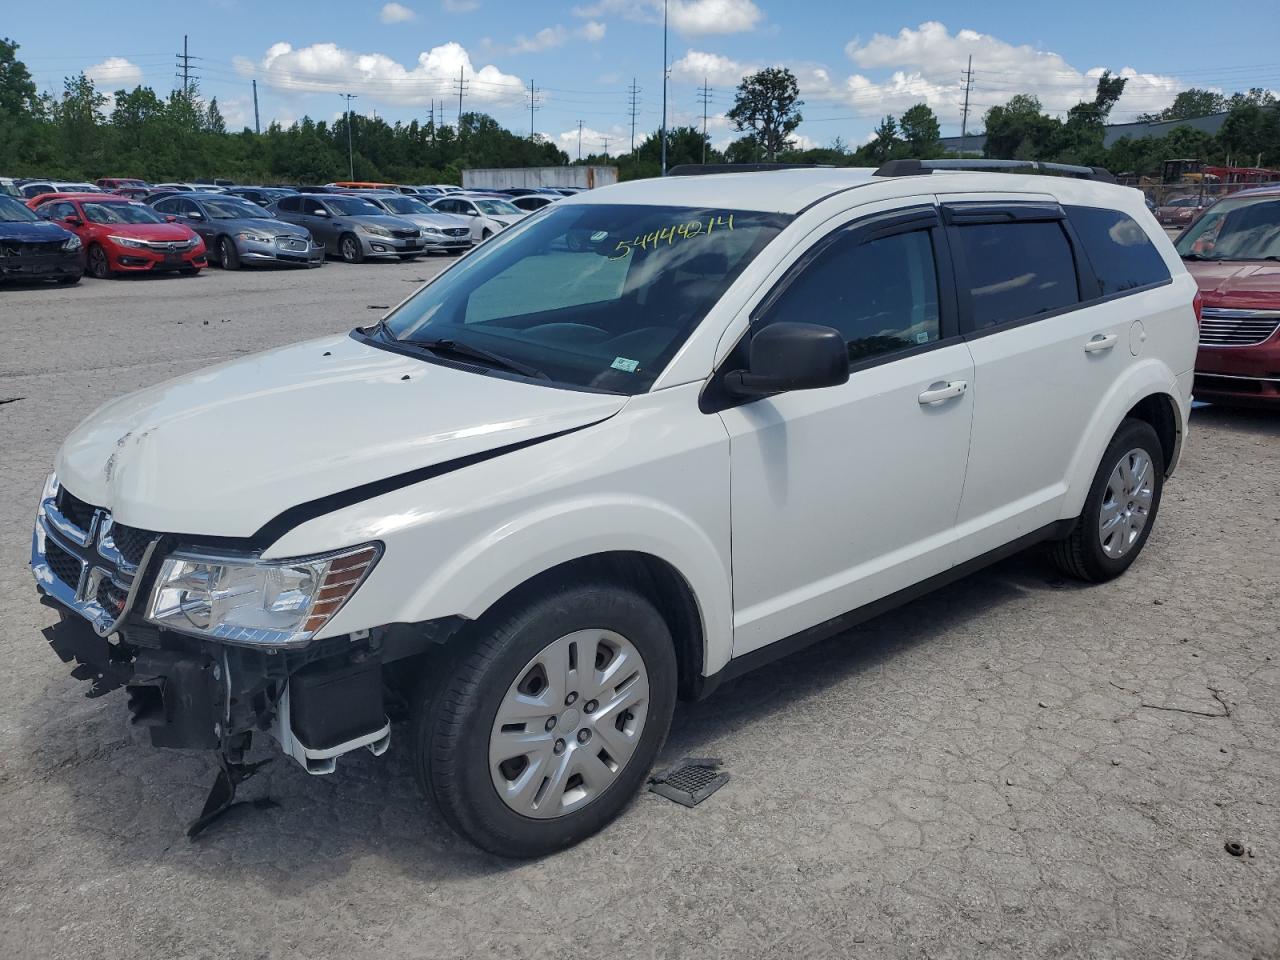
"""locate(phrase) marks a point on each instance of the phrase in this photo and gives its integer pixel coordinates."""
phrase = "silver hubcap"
(348, 249)
(569, 724)
(1126, 506)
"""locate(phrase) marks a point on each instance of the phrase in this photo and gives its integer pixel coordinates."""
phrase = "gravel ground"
(1016, 766)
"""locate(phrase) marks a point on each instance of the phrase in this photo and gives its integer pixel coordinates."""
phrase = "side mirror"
(473, 213)
(792, 356)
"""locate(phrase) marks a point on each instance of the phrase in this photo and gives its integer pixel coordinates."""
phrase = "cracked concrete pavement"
(988, 772)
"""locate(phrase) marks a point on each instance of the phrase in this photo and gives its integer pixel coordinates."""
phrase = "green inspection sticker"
(622, 363)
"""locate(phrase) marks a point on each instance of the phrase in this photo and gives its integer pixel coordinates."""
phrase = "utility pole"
(533, 105)
(634, 91)
(606, 144)
(705, 97)
(964, 117)
(579, 141)
(461, 84)
(664, 87)
(184, 64)
(351, 163)
(257, 127)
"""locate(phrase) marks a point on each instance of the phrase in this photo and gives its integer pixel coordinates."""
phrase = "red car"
(115, 183)
(122, 235)
(1233, 251)
(1180, 211)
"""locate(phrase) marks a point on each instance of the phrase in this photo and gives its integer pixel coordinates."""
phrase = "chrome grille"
(457, 232)
(1237, 328)
(14, 248)
(75, 509)
(63, 565)
(131, 542)
(292, 243)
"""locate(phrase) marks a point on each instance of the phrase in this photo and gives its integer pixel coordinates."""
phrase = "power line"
(461, 84)
(606, 140)
(184, 65)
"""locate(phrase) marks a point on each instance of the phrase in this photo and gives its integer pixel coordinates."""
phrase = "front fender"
(1145, 378)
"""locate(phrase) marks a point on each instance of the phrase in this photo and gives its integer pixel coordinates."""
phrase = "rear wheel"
(1120, 509)
(98, 264)
(543, 732)
(228, 255)
(350, 248)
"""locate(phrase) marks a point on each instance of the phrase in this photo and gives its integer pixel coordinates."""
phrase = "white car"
(648, 439)
(489, 215)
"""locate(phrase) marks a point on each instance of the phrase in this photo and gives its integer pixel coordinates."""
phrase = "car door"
(320, 221)
(192, 216)
(842, 496)
(1041, 361)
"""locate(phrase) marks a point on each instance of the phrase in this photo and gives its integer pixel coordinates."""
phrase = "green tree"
(213, 122)
(1193, 102)
(767, 103)
(920, 130)
(17, 91)
(885, 143)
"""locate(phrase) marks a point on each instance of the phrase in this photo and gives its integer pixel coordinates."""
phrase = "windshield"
(1243, 229)
(498, 208)
(119, 213)
(230, 209)
(406, 205)
(598, 296)
(11, 211)
(351, 206)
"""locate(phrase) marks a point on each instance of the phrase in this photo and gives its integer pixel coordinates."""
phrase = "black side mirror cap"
(792, 356)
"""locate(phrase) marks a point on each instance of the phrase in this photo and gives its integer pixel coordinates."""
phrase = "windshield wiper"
(471, 352)
(1198, 256)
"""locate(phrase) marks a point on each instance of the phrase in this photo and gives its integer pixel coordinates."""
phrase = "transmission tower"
(461, 86)
(704, 95)
(967, 75)
(533, 105)
(184, 66)
(634, 93)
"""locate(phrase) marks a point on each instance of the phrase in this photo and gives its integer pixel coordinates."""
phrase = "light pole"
(351, 163)
(664, 87)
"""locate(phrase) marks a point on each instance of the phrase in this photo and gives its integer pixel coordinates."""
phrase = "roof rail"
(701, 169)
(912, 168)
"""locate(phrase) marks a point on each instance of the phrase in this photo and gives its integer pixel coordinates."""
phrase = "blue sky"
(855, 62)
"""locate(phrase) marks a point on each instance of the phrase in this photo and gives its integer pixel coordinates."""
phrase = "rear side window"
(1122, 255)
(1017, 270)
(882, 294)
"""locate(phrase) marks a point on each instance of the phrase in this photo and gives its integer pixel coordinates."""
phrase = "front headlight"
(375, 230)
(433, 231)
(71, 244)
(127, 241)
(254, 238)
(243, 599)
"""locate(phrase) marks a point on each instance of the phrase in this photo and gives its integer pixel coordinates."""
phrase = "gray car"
(237, 232)
(441, 232)
(351, 227)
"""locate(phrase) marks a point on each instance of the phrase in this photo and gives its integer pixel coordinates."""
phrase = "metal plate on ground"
(690, 781)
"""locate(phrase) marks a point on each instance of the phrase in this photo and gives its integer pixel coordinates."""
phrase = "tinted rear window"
(1122, 255)
(1017, 270)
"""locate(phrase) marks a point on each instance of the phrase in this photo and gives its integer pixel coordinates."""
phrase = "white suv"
(650, 437)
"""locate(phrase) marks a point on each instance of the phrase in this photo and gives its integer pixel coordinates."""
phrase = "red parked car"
(1180, 211)
(122, 235)
(1233, 251)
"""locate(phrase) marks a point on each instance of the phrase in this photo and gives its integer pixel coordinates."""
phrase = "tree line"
(83, 133)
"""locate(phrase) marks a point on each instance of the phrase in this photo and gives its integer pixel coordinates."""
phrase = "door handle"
(939, 392)
(1098, 343)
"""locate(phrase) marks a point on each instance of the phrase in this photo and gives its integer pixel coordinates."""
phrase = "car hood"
(443, 221)
(1238, 284)
(39, 232)
(380, 220)
(222, 451)
(264, 225)
(506, 219)
(155, 232)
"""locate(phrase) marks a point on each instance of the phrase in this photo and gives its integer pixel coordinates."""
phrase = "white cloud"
(928, 61)
(689, 17)
(114, 73)
(592, 31)
(396, 13)
(718, 70)
(459, 6)
(593, 140)
(547, 38)
(328, 68)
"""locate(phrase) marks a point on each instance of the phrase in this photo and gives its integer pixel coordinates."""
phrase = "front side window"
(405, 204)
(234, 209)
(119, 213)
(1235, 229)
(1120, 252)
(598, 296)
(881, 294)
(497, 208)
(1017, 270)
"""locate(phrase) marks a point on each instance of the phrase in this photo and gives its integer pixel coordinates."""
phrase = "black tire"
(1081, 555)
(228, 255)
(455, 712)
(350, 248)
(97, 264)
(70, 281)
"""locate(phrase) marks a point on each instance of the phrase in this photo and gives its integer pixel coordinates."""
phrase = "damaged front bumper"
(318, 702)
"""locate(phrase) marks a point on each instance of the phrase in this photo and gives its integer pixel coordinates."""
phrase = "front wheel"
(1120, 508)
(99, 266)
(228, 255)
(545, 730)
(350, 248)
(71, 280)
